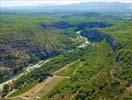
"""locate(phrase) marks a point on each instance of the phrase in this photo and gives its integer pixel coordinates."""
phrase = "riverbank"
(86, 43)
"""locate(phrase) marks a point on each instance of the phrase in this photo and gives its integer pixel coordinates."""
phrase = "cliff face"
(84, 25)
(96, 36)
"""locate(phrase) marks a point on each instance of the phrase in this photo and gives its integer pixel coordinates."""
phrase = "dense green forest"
(99, 71)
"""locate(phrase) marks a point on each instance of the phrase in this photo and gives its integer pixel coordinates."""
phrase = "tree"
(5, 90)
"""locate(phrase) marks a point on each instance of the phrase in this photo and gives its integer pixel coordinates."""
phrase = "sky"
(14, 3)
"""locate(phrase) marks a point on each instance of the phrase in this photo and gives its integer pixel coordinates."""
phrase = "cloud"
(12, 3)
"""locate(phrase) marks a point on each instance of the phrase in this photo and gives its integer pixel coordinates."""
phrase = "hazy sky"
(12, 3)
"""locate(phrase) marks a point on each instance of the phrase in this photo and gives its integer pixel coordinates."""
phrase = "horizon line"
(55, 4)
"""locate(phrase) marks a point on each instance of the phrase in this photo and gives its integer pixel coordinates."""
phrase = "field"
(69, 69)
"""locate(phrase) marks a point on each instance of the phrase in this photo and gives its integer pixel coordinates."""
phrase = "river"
(86, 43)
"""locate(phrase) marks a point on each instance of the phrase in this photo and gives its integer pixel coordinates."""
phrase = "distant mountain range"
(92, 6)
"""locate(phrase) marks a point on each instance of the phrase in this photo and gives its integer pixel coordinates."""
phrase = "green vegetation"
(23, 89)
(99, 72)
